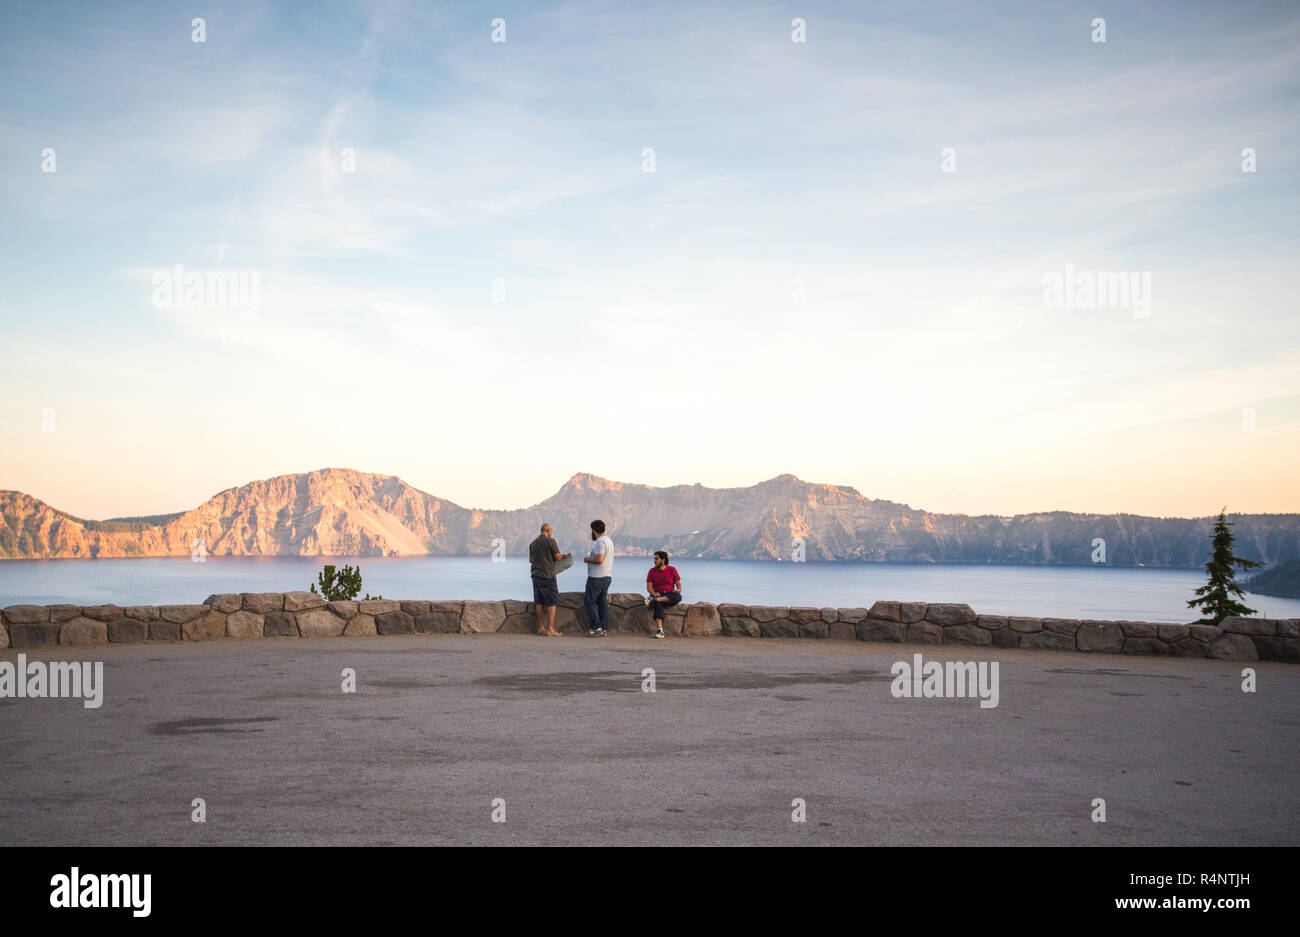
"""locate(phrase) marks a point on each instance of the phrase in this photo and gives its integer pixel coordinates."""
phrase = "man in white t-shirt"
(600, 573)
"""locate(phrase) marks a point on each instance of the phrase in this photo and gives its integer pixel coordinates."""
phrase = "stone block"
(360, 625)
(205, 628)
(225, 602)
(949, 614)
(1101, 637)
(180, 614)
(83, 631)
(1153, 647)
(242, 624)
(1248, 626)
(880, 630)
(302, 601)
(279, 625)
(1276, 647)
(260, 603)
(702, 620)
(1189, 647)
(26, 614)
(923, 632)
(968, 634)
(1005, 637)
(482, 617)
(103, 612)
(319, 623)
(910, 613)
(441, 618)
(160, 630)
(1171, 632)
(779, 628)
(396, 622)
(1233, 647)
(127, 631)
(741, 626)
(1068, 626)
(34, 633)
(885, 611)
(1047, 641)
(1139, 629)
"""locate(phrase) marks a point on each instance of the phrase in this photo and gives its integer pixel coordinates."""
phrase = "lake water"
(1060, 591)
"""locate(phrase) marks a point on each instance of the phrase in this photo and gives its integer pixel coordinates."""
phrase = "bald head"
(546, 530)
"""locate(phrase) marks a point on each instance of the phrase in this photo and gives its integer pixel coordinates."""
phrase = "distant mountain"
(342, 512)
(1283, 580)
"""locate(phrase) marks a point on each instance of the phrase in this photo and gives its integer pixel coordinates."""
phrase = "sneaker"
(593, 632)
(603, 632)
(660, 633)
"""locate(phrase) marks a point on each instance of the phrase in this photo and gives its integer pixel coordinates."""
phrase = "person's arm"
(677, 584)
(555, 548)
(597, 559)
(650, 587)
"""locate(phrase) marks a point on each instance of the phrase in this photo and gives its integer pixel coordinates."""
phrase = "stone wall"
(305, 614)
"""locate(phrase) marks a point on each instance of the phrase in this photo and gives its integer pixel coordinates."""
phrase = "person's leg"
(549, 598)
(589, 603)
(539, 608)
(668, 600)
(603, 601)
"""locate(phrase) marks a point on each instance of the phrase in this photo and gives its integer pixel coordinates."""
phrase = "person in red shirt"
(665, 588)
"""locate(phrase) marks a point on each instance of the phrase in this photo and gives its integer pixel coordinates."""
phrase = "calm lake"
(1066, 592)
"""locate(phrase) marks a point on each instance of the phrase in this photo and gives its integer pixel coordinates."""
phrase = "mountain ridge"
(347, 512)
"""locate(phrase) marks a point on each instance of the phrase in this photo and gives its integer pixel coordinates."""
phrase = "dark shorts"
(545, 591)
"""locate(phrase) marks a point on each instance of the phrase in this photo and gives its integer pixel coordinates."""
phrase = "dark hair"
(598, 526)
(663, 554)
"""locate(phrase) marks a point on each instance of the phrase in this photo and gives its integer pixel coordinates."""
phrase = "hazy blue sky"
(651, 328)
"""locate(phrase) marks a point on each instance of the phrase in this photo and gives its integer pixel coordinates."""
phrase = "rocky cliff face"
(343, 512)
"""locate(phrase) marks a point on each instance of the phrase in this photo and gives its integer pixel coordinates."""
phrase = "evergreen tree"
(1216, 596)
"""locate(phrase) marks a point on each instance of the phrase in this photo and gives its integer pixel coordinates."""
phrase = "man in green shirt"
(542, 555)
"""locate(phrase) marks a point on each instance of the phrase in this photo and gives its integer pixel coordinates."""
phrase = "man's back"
(541, 554)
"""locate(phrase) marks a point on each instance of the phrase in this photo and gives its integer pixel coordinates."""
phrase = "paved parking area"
(440, 726)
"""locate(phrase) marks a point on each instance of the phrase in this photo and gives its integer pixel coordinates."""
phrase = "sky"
(840, 267)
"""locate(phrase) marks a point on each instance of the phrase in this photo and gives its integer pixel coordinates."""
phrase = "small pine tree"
(343, 587)
(1216, 596)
